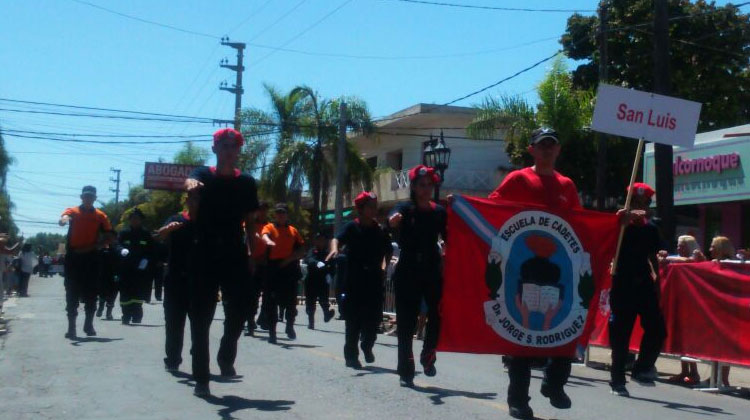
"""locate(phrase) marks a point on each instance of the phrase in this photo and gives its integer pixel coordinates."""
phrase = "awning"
(328, 217)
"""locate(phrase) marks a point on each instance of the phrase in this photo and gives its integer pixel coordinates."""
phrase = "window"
(372, 162)
(395, 160)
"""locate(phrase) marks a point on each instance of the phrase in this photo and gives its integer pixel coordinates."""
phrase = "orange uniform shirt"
(285, 237)
(85, 227)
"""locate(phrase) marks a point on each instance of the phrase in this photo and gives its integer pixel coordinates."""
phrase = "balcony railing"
(455, 179)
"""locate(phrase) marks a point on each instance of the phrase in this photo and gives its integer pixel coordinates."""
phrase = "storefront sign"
(644, 115)
(166, 176)
(717, 164)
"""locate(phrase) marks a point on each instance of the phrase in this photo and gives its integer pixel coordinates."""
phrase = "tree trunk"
(315, 187)
(324, 190)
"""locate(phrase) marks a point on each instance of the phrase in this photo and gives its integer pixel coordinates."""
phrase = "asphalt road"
(119, 375)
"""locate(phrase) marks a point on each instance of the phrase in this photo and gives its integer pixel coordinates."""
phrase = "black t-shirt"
(419, 231)
(180, 243)
(224, 203)
(639, 244)
(366, 246)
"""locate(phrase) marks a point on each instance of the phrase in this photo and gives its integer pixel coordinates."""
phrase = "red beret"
(420, 171)
(639, 188)
(364, 197)
(229, 133)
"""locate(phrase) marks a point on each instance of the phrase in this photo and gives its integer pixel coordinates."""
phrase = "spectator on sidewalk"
(721, 250)
(28, 262)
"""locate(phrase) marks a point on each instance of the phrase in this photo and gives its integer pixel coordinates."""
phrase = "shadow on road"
(299, 346)
(187, 379)
(233, 403)
(587, 381)
(694, 409)
(145, 325)
(80, 340)
(438, 394)
(375, 370)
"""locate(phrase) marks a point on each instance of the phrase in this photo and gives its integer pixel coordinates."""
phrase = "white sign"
(644, 115)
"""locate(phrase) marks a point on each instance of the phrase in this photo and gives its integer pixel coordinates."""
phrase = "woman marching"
(418, 275)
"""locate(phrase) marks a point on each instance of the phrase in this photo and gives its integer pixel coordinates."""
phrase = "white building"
(476, 166)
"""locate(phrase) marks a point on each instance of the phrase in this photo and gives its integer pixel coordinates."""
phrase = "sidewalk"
(668, 366)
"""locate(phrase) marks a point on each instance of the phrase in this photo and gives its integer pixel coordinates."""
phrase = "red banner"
(166, 176)
(519, 280)
(707, 311)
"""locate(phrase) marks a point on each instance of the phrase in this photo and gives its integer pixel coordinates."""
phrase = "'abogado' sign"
(166, 176)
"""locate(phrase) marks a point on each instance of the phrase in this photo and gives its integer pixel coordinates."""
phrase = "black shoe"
(406, 382)
(228, 372)
(109, 314)
(521, 412)
(71, 334)
(329, 315)
(171, 367)
(125, 320)
(428, 363)
(249, 333)
(137, 320)
(89, 330)
(202, 390)
(290, 332)
(369, 356)
(272, 336)
(100, 311)
(643, 378)
(620, 390)
(557, 397)
(354, 363)
(310, 322)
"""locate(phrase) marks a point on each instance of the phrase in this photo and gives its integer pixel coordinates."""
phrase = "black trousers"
(134, 284)
(414, 282)
(108, 288)
(158, 281)
(231, 276)
(23, 283)
(316, 291)
(629, 298)
(363, 313)
(81, 277)
(280, 291)
(257, 286)
(176, 307)
(556, 374)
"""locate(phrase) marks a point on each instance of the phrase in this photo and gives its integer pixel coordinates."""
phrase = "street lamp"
(437, 155)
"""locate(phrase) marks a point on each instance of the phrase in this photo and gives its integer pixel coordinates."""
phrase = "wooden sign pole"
(636, 164)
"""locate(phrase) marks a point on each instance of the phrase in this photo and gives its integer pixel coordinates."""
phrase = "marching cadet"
(136, 252)
(260, 259)
(179, 235)
(418, 274)
(89, 230)
(634, 292)
(225, 228)
(316, 284)
(540, 185)
(285, 249)
(107, 281)
(366, 247)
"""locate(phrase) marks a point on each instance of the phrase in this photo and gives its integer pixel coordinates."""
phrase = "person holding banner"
(367, 247)
(538, 185)
(418, 274)
(634, 292)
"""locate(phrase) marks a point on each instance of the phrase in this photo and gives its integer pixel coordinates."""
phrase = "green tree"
(7, 225)
(44, 242)
(709, 54)
(191, 154)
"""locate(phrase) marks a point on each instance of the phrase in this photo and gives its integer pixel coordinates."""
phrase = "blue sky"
(67, 52)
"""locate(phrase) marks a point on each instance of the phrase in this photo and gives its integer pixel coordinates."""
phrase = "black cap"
(88, 190)
(281, 208)
(136, 212)
(543, 133)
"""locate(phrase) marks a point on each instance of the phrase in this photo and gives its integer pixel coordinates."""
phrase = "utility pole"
(340, 169)
(601, 138)
(116, 181)
(663, 152)
(237, 87)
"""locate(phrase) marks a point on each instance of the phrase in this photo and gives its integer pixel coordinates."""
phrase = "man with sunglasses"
(227, 199)
(538, 185)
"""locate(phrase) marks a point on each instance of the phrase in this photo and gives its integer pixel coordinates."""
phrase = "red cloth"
(527, 186)
(707, 311)
(479, 294)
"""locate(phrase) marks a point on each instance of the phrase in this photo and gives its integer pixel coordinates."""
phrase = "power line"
(282, 17)
(150, 22)
(117, 117)
(48, 133)
(506, 9)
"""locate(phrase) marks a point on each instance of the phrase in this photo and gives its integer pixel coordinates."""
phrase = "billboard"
(166, 176)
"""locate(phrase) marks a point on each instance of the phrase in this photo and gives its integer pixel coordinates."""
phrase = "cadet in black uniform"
(179, 234)
(634, 292)
(366, 247)
(107, 281)
(136, 251)
(161, 253)
(418, 274)
(316, 284)
(227, 199)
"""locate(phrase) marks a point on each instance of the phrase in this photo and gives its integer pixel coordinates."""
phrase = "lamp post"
(437, 155)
